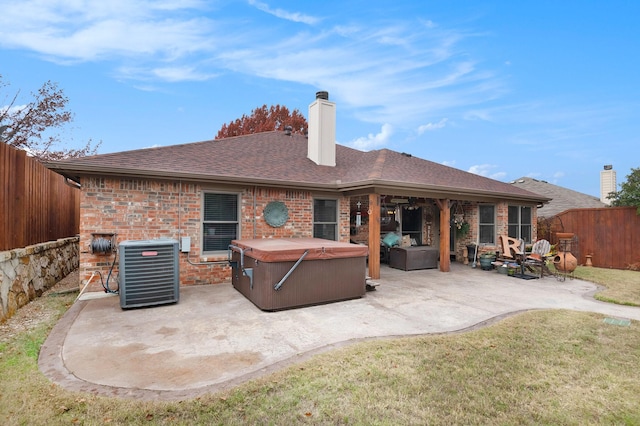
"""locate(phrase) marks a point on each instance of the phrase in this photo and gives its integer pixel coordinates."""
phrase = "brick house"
(215, 191)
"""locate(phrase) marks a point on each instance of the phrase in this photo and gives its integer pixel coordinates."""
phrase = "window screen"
(220, 221)
(520, 222)
(325, 219)
(487, 226)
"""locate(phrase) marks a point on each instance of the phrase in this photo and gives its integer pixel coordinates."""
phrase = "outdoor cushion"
(391, 240)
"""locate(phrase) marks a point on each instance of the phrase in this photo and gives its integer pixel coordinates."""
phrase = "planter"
(485, 261)
(588, 263)
(564, 235)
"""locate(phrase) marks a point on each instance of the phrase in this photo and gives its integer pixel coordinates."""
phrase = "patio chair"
(537, 260)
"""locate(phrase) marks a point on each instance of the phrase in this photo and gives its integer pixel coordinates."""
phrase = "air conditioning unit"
(149, 273)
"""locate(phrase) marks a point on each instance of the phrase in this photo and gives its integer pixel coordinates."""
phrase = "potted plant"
(486, 260)
(462, 228)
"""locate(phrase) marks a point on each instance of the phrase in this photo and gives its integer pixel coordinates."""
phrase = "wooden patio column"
(374, 236)
(445, 230)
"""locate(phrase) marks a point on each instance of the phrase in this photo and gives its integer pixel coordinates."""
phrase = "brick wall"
(139, 209)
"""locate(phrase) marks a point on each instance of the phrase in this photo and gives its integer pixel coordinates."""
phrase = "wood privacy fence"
(36, 204)
(610, 234)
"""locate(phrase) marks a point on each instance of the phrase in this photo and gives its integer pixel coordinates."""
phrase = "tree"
(265, 119)
(629, 194)
(32, 126)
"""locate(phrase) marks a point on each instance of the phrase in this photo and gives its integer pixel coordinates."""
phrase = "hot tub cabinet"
(286, 273)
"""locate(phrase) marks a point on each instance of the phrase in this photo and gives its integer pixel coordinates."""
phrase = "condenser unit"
(149, 273)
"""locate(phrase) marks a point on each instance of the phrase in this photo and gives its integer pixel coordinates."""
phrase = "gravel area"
(37, 311)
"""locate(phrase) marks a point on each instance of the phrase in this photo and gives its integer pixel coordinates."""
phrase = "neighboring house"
(561, 198)
(216, 191)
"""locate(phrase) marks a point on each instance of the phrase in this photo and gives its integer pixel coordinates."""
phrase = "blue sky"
(545, 89)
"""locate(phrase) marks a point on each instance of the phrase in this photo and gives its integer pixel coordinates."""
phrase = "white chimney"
(322, 131)
(607, 183)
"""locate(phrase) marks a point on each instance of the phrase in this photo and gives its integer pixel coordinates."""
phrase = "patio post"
(374, 236)
(445, 222)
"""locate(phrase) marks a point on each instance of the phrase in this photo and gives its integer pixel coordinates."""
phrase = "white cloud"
(283, 14)
(167, 74)
(372, 141)
(432, 126)
(14, 109)
(93, 30)
(486, 170)
(380, 70)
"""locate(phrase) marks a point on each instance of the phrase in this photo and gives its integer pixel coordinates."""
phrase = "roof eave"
(436, 191)
(77, 172)
(349, 188)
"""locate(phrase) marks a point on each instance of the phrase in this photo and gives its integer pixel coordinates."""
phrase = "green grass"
(621, 286)
(541, 367)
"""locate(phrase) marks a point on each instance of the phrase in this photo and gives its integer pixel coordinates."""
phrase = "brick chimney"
(322, 131)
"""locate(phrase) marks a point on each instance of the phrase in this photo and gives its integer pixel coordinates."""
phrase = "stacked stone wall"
(25, 273)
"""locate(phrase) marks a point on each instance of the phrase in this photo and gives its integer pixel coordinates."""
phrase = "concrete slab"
(214, 338)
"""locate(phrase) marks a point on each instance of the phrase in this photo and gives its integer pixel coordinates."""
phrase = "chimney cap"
(322, 95)
(608, 167)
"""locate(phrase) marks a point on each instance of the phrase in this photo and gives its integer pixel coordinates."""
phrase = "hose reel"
(102, 243)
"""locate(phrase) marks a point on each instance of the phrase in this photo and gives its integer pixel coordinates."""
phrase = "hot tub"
(286, 273)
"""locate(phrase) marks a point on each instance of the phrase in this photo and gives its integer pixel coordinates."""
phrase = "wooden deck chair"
(538, 257)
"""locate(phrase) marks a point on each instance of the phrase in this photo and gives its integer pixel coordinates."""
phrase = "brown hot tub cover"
(290, 249)
(330, 271)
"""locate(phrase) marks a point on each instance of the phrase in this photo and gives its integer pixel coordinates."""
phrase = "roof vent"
(322, 95)
(287, 130)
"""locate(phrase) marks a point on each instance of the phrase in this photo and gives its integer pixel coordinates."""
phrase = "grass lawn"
(622, 286)
(540, 367)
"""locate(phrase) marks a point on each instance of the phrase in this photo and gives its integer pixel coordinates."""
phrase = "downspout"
(254, 211)
(180, 212)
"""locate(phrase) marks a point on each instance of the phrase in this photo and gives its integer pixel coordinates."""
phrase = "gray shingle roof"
(561, 198)
(274, 158)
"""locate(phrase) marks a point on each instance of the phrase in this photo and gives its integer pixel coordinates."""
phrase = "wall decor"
(276, 214)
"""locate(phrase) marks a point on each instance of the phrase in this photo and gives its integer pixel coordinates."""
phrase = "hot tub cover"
(291, 249)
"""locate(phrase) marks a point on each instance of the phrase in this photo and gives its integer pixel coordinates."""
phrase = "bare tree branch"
(32, 127)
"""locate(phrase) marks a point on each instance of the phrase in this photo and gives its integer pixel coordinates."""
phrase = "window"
(220, 222)
(487, 225)
(325, 219)
(520, 222)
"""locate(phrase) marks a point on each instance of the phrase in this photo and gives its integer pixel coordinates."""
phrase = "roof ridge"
(378, 164)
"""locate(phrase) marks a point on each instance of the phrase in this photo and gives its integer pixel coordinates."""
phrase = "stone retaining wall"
(25, 273)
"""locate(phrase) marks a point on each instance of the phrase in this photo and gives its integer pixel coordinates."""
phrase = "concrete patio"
(215, 338)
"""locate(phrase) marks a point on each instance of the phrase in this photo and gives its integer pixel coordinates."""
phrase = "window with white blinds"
(520, 222)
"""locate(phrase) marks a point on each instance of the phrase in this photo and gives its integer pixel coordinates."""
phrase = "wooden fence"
(36, 204)
(610, 234)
